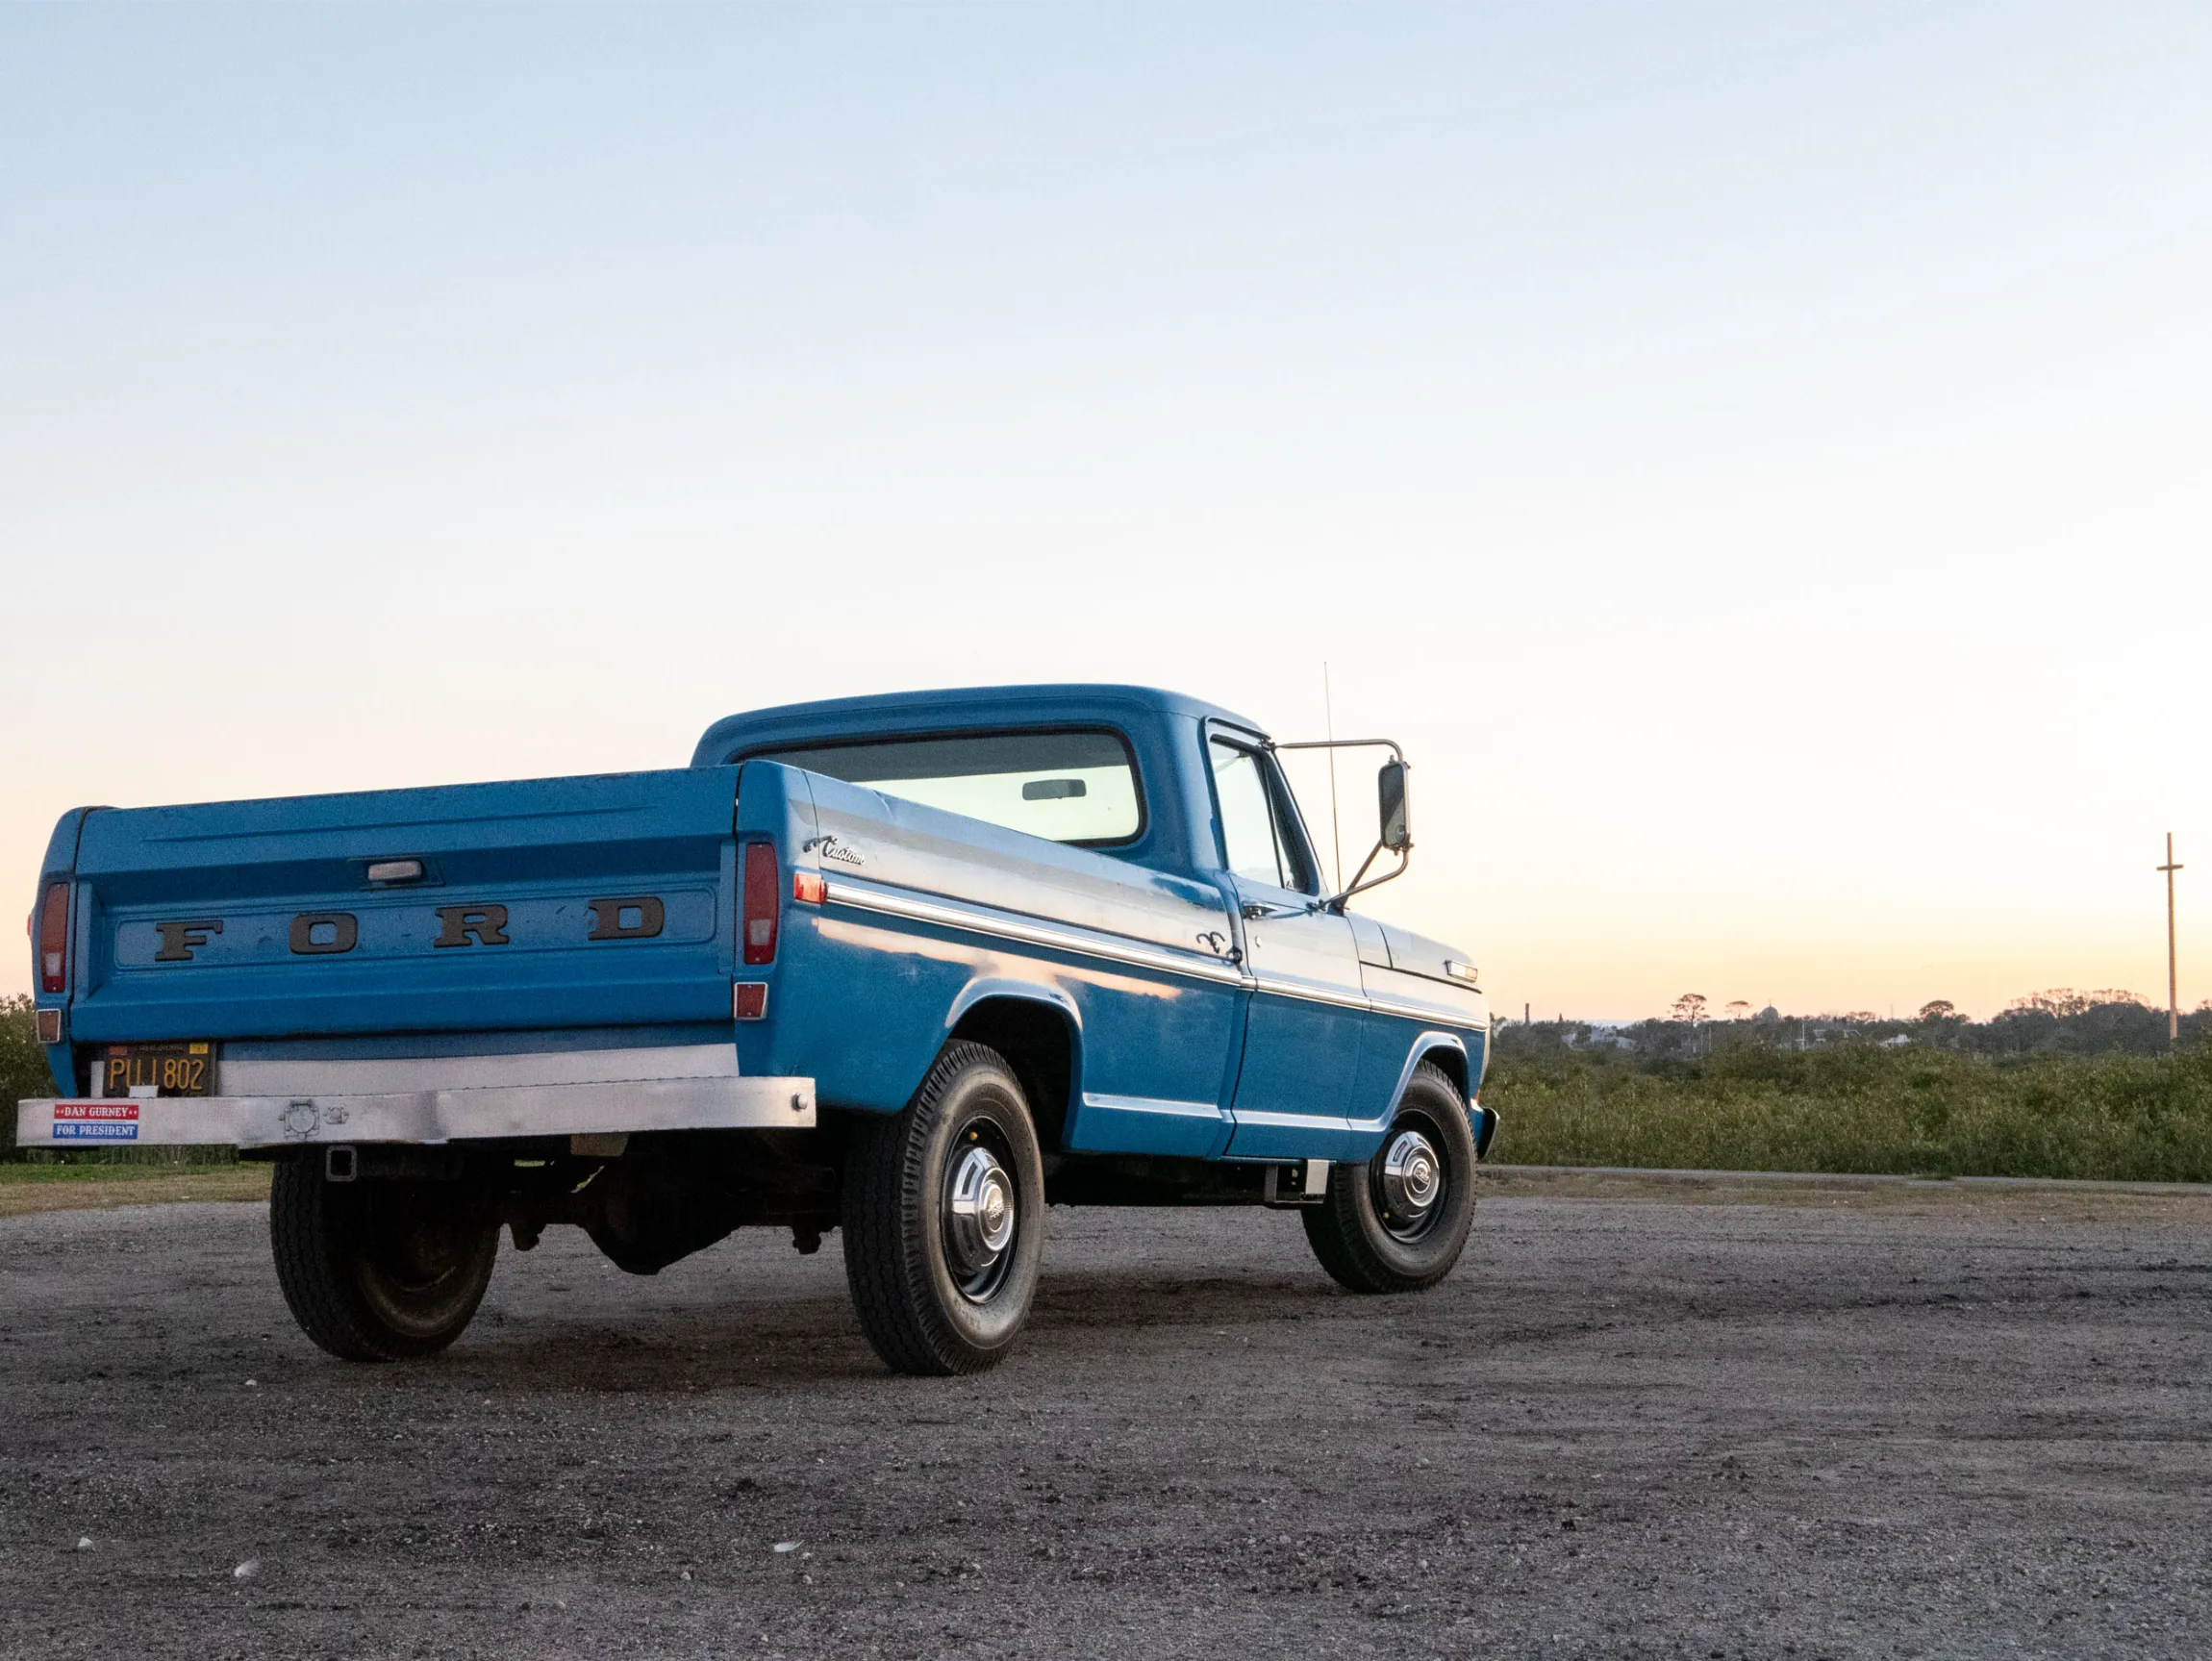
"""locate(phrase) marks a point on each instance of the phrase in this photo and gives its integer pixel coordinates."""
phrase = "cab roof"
(952, 709)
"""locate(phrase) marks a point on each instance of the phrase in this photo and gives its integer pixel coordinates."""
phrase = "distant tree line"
(23, 1073)
(22, 1066)
(2060, 1022)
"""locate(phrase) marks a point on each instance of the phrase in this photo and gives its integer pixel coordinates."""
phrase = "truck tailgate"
(601, 900)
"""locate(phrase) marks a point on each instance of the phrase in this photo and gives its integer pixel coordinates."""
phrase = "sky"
(1757, 458)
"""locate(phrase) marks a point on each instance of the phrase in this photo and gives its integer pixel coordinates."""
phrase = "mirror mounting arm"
(1336, 902)
(1402, 846)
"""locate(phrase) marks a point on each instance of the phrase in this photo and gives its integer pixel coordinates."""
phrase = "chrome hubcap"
(1412, 1183)
(978, 1219)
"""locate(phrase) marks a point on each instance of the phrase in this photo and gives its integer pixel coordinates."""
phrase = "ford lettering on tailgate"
(685, 916)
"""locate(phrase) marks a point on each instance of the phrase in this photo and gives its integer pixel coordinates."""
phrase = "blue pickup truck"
(910, 966)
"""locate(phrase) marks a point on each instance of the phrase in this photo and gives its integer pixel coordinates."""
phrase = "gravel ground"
(1900, 1422)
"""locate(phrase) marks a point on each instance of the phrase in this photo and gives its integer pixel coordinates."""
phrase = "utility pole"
(2173, 980)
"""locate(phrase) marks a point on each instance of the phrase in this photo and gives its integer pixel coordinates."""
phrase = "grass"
(1858, 1108)
(29, 1188)
(27, 1173)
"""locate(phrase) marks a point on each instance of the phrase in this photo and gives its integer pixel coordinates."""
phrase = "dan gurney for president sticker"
(95, 1121)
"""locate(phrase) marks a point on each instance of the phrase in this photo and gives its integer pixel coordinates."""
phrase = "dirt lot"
(1766, 1421)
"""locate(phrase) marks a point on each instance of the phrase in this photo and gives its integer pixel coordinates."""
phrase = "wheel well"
(1039, 1043)
(1453, 1063)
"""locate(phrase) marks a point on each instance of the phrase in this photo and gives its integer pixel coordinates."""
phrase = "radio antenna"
(1329, 720)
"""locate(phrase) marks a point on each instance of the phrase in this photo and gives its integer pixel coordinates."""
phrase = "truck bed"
(531, 857)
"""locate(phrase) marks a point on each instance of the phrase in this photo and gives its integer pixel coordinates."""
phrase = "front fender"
(1368, 1133)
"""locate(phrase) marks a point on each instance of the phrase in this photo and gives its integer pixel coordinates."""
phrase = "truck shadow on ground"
(808, 1340)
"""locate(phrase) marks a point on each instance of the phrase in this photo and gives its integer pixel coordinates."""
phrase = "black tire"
(933, 1296)
(1369, 1244)
(378, 1271)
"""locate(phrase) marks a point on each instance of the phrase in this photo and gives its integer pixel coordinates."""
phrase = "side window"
(1258, 829)
(1291, 846)
(1247, 823)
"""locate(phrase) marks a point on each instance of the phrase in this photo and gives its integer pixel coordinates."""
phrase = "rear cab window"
(1075, 786)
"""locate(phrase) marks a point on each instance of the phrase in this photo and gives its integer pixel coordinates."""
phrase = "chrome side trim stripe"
(944, 915)
(1272, 1120)
(1205, 1110)
(1268, 1119)
(1313, 992)
(1423, 1012)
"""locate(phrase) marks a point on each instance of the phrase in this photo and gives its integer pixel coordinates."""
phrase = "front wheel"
(378, 1271)
(1398, 1222)
(944, 1218)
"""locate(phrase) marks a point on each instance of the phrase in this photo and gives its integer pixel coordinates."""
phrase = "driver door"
(1302, 1032)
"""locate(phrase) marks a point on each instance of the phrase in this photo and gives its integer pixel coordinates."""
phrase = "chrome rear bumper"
(459, 1113)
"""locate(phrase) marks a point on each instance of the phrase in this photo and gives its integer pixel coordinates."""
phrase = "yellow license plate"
(166, 1067)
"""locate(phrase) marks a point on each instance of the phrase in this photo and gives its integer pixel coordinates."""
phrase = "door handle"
(1258, 910)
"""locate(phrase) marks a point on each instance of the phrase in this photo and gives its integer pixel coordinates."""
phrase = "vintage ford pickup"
(911, 966)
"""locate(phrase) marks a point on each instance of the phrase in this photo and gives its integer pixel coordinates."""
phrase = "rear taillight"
(757, 918)
(54, 939)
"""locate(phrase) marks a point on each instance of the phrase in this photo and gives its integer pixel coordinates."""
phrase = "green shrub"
(23, 1073)
(22, 1067)
(1864, 1108)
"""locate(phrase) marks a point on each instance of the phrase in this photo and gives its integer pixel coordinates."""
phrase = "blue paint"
(1204, 1016)
(1306, 1028)
(1142, 1124)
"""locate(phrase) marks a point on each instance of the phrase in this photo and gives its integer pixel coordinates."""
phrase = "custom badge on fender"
(842, 852)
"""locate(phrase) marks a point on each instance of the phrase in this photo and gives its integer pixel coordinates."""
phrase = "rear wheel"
(944, 1218)
(378, 1271)
(1398, 1222)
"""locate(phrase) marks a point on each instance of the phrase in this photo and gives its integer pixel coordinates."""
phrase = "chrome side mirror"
(1397, 814)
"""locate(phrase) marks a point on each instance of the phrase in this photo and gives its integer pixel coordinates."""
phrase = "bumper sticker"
(95, 1121)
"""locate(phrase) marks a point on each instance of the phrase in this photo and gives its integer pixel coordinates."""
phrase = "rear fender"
(1039, 1032)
